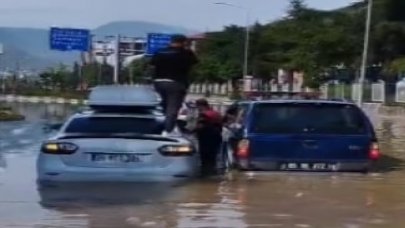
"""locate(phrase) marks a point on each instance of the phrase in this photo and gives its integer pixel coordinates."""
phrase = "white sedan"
(111, 147)
(116, 145)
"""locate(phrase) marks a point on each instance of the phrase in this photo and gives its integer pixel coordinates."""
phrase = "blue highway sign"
(157, 41)
(67, 39)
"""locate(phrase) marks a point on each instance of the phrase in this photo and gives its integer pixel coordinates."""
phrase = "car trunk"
(309, 147)
(309, 132)
(115, 152)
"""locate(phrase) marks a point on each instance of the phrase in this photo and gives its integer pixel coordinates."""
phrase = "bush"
(7, 114)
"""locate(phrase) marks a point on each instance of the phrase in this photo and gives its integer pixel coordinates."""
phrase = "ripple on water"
(19, 131)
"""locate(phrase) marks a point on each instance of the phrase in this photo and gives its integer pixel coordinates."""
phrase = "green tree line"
(308, 40)
(62, 78)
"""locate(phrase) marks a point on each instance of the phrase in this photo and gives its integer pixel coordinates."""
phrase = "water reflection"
(212, 204)
(298, 200)
(3, 163)
(145, 205)
(36, 112)
(21, 137)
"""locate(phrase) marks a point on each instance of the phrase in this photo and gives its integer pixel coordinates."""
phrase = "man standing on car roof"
(171, 78)
(209, 135)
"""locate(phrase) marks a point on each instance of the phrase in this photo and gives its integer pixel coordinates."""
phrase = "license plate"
(114, 158)
(309, 167)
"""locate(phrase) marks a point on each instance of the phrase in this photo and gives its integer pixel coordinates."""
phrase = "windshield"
(308, 119)
(114, 125)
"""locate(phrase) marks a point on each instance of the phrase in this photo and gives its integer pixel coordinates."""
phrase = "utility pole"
(15, 75)
(247, 35)
(81, 76)
(363, 69)
(3, 79)
(118, 48)
(131, 67)
(117, 59)
(91, 50)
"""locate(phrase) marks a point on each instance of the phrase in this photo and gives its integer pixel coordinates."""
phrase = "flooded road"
(267, 200)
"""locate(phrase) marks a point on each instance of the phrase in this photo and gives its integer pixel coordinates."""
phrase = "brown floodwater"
(251, 200)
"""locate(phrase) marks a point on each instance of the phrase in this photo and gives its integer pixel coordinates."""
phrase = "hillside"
(312, 41)
(136, 28)
(30, 46)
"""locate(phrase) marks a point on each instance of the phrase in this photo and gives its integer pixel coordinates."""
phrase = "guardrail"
(376, 92)
(46, 100)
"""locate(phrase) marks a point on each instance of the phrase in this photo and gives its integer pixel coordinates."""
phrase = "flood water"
(267, 200)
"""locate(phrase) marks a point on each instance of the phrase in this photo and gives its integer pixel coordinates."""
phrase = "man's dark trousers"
(172, 94)
(210, 140)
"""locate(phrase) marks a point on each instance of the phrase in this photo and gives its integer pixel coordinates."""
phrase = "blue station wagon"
(304, 135)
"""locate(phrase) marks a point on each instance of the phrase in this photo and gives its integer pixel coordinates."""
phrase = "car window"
(111, 125)
(308, 118)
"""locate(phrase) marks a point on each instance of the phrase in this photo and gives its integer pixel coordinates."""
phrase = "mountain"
(29, 47)
(136, 28)
(354, 7)
(16, 58)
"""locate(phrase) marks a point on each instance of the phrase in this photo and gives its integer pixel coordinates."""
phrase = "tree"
(91, 74)
(137, 70)
(391, 10)
(221, 55)
(75, 76)
(308, 40)
(61, 77)
(394, 69)
(296, 9)
(46, 79)
(388, 41)
(56, 78)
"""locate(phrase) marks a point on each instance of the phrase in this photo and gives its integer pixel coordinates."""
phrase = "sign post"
(67, 39)
(157, 41)
(70, 39)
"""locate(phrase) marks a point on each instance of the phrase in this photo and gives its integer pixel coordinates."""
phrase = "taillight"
(59, 148)
(243, 149)
(177, 150)
(375, 152)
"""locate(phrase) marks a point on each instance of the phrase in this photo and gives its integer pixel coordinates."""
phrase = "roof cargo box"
(126, 96)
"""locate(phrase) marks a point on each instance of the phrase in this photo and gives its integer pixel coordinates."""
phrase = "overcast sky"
(194, 14)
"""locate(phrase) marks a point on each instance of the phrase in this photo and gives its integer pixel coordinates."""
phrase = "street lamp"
(247, 38)
(365, 52)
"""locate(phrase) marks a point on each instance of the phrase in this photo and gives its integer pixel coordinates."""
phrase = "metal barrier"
(356, 91)
(378, 92)
(400, 93)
